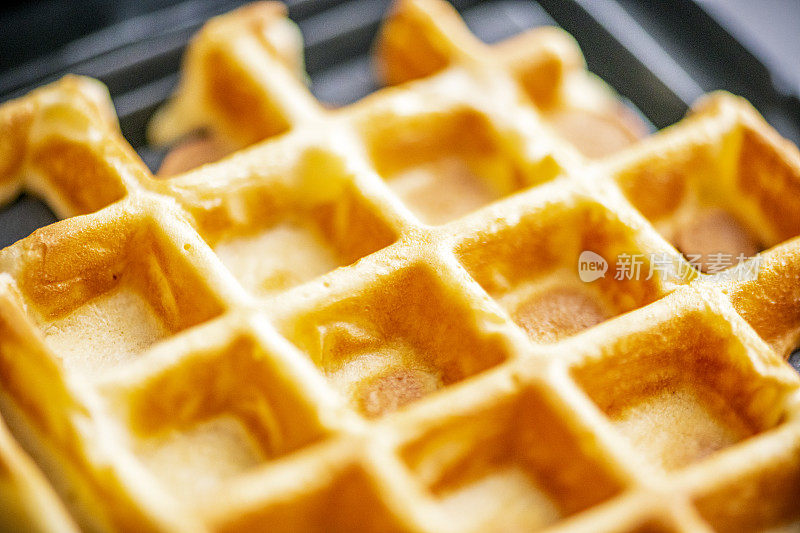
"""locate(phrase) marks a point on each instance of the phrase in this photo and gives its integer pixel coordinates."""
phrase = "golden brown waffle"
(188, 357)
(242, 76)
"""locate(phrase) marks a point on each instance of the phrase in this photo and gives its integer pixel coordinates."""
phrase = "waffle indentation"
(301, 221)
(532, 269)
(681, 391)
(215, 414)
(98, 310)
(515, 465)
(390, 345)
(447, 164)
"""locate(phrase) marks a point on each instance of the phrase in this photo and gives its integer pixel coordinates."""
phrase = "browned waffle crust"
(371, 318)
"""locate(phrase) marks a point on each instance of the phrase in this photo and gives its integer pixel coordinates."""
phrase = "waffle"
(242, 78)
(371, 318)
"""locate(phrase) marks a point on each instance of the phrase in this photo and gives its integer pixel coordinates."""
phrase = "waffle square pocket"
(683, 387)
(445, 163)
(136, 285)
(276, 226)
(531, 265)
(202, 413)
(515, 462)
(388, 344)
(721, 187)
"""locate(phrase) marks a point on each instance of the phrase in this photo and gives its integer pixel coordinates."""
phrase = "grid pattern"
(454, 374)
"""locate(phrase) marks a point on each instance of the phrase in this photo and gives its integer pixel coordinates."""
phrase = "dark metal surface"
(661, 56)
